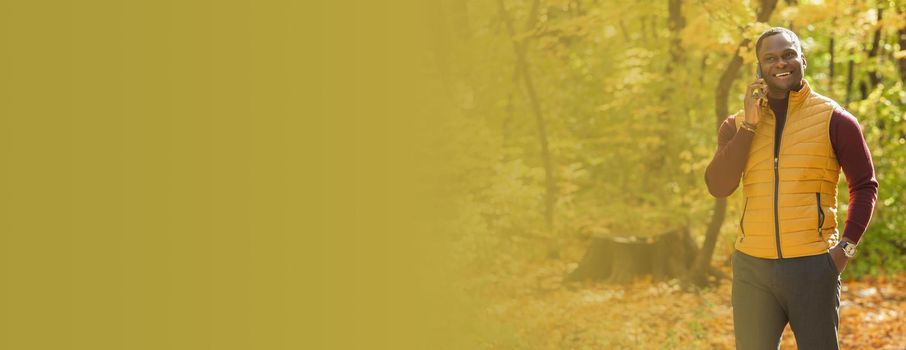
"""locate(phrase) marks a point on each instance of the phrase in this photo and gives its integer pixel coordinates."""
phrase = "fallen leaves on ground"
(529, 308)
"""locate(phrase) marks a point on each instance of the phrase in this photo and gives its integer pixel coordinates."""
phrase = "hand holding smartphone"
(759, 92)
(755, 98)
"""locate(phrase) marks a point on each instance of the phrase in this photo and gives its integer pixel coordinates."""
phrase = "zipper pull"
(775, 163)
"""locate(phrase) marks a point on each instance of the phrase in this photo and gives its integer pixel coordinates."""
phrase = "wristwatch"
(849, 249)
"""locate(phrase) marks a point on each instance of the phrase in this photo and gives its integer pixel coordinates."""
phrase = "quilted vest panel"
(790, 208)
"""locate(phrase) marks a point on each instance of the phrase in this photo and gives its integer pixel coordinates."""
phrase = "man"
(786, 267)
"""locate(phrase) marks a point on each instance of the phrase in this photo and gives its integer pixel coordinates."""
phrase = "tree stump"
(616, 259)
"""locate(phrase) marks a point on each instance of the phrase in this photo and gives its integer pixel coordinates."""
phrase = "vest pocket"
(741, 227)
(820, 213)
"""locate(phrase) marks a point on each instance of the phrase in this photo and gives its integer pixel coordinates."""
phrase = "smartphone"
(758, 93)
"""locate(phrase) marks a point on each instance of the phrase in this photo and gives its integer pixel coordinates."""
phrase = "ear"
(804, 61)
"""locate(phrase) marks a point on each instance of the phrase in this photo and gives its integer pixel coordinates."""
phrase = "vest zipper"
(776, 195)
(820, 213)
(777, 140)
(741, 227)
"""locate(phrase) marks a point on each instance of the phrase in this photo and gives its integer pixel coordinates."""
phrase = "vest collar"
(798, 97)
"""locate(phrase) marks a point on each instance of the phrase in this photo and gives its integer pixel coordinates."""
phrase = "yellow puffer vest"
(790, 206)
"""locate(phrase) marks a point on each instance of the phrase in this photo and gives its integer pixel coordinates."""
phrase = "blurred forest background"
(579, 122)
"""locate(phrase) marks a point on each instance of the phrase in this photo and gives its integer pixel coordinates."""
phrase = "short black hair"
(774, 31)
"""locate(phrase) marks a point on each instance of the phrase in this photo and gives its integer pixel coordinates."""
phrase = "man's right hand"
(753, 114)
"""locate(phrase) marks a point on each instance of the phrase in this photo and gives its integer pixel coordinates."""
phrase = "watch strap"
(849, 249)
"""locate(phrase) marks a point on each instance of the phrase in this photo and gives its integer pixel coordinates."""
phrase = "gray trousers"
(769, 293)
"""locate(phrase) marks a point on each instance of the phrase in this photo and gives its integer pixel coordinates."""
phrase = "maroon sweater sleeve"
(725, 170)
(855, 159)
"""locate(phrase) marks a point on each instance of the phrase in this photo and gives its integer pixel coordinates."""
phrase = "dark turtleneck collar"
(781, 105)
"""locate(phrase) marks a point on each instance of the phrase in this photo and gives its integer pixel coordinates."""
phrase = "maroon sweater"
(725, 171)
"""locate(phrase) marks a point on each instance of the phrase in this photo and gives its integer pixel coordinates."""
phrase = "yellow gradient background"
(217, 175)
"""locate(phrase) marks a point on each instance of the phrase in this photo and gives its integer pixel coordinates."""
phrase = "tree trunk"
(873, 78)
(902, 40)
(676, 23)
(622, 259)
(830, 67)
(523, 67)
(699, 273)
(851, 65)
(626, 36)
(643, 29)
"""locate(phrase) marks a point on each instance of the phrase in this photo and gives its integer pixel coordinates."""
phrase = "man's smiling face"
(782, 63)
